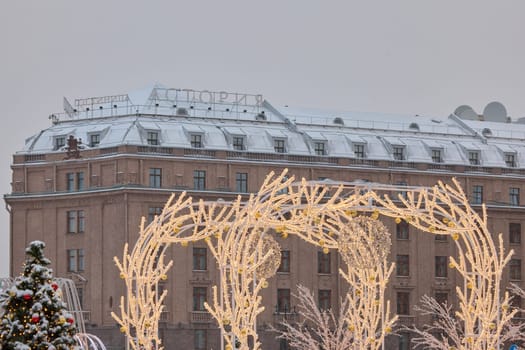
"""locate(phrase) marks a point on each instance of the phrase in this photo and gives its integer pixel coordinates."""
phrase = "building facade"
(83, 184)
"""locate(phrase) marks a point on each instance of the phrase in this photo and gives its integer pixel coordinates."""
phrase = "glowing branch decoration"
(239, 235)
(365, 245)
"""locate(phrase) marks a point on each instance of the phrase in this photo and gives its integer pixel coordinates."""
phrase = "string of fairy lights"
(240, 236)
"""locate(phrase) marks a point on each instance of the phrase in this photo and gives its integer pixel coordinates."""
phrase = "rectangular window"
(152, 212)
(153, 138)
(199, 298)
(403, 303)
(94, 140)
(155, 177)
(398, 152)
(283, 301)
(199, 180)
(199, 339)
(402, 265)
(75, 221)
(359, 150)
(404, 341)
(441, 298)
(70, 180)
(319, 148)
(402, 230)
(473, 157)
(510, 160)
(59, 143)
(324, 299)
(199, 259)
(196, 140)
(323, 262)
(515, 233)
(285, 261)
(436, 155)
(241, 182)
(440, 238)
(441, 266)
(279, 145)
(75, 260)
(80, 181)
(284, 344)
(515, 269)
(514, 196)
(477, 194)
(75, 181)
(238, 143)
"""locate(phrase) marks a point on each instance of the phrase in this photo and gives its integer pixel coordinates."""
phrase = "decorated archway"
(240, 236)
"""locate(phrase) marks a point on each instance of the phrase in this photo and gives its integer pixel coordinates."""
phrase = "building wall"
(117, 194)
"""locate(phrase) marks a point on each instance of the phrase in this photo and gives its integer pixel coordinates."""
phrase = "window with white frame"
(153, 138)
(473, 157)
(238, 143)
(94, 140)
(510, 159)
(359, 150)
(514, 196)
(437, 155)
(320, 148)
(398, 152)
(477, 194)
(279, 145)
(59, 142)
(75, 260)
(196, 140)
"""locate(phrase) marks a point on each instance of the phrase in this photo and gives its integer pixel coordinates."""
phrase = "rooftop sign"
(206, 97)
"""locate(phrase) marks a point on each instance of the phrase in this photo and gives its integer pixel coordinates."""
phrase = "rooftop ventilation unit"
(182, 111)
(414, 126)
(260, 116)
(486, 132)
(338, 121)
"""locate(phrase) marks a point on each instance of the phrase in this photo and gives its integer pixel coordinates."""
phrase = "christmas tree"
(34, 316)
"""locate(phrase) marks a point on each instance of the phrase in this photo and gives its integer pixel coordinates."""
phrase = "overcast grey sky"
(408, 56)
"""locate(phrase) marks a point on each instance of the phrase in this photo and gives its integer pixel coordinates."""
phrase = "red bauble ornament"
(27, 296)
(35, 319)
(54, 286)
(70, 320)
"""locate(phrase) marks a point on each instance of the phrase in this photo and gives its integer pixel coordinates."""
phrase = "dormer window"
(196, 140)
(238, 143)
(510, 159)
(153, 138)
(94, 140)
(279, 145)
(437, 155)
(59, 142)
(398, 152)
(473, 157)
(359, 150)
(320, 148)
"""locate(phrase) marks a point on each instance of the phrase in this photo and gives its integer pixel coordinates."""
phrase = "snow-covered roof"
(174, 115)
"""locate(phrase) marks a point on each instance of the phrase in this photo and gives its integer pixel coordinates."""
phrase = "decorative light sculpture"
(317, 213)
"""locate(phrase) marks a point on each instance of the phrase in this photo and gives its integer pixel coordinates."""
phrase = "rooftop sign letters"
(206, 96)
(100, 100)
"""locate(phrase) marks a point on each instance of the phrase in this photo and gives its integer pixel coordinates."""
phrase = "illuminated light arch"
(317, 212)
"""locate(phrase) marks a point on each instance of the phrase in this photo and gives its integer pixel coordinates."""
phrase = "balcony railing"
(406, 320)
(200, 317)
(290, 317)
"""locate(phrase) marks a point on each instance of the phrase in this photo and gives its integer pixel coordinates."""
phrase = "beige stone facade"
(116, 193)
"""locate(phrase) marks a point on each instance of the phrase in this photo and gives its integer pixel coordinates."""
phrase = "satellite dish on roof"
(466, 112)
(495, 112)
